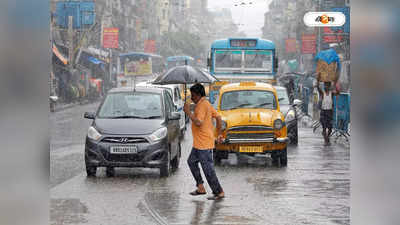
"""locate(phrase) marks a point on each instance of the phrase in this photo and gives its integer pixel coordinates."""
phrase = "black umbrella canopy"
(184, 75)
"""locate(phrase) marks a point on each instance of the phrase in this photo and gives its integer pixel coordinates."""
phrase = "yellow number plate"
(250, 148)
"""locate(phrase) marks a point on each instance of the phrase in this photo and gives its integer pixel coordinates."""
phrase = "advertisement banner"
(332, 39)
(291, 45)
(150, 46)
(332, 36)
(142, 67)
(308, 44)
(110, 37)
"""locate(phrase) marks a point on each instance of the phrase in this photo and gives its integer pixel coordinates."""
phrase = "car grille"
(250, 135)
(124, 140)
(251, 128)
(123, 157)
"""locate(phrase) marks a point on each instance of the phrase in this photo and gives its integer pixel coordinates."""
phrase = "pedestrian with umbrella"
(202, 126)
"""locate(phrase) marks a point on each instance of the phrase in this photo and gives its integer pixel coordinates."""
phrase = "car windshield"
(131, 105)
(248, 99)
(282, 96)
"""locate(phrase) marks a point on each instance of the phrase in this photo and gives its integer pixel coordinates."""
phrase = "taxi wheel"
(216, 157)
(283, 157)
(165, 169)
(295, 138)
(275, 158)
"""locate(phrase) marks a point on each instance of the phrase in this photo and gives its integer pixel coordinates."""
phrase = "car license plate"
(123, 149)
(250, 148)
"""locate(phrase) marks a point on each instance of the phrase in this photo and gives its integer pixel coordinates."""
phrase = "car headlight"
(93, 134)
(290, 115)
(278, 124)
(158, 134)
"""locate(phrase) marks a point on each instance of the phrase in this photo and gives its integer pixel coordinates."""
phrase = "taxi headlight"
(290, 115)
(278, 124)
(93, 134)
(158, 134)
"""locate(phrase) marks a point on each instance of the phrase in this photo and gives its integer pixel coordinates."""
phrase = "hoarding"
(141, 67)
(308, 43)
(150, 46)
(291, 45)
(110, 37)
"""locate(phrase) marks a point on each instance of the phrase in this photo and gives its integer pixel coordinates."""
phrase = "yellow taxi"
(251, 121)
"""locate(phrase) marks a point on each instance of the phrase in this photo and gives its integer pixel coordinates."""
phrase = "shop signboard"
(308, 44)
(291, 45)
(110, 37)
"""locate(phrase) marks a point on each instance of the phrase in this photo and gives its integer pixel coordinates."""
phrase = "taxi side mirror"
(297, 102)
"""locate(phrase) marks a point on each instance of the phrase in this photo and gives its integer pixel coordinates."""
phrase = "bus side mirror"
(208, 62)
(276, 62)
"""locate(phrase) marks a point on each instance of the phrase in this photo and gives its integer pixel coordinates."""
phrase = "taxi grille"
(250, 135)
(251, 128)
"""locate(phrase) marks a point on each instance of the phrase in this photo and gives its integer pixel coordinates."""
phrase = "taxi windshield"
(248, 99)
(282, 96)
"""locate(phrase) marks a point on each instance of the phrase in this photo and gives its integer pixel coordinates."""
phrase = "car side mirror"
(297, 102)
(174, 116)
(89, 115)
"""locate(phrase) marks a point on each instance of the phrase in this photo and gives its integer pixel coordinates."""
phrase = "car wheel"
(165, 169)
(176, 160)
(182, 134)
(91, 170)
(110, 172)
(283, 157)
(217, 157)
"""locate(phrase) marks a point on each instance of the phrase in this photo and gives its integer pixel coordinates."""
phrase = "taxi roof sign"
(248, 83)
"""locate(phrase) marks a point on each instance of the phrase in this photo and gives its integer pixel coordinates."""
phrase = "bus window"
(260, 60)
(228, 59)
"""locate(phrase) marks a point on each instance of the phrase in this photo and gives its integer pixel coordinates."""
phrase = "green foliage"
(181, 43)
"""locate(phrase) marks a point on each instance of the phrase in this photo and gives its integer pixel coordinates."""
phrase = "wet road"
(313, 189)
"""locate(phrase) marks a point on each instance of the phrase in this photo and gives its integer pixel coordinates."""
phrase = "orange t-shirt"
(203, 136)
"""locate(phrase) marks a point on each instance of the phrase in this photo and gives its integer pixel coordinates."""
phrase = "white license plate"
(123, 149)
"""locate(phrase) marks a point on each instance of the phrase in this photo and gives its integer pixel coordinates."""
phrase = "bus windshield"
(243, 60)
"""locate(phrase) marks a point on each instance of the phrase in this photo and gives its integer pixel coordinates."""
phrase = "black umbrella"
(184, 75)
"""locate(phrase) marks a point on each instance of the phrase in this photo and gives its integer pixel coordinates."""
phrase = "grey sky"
(250, 17)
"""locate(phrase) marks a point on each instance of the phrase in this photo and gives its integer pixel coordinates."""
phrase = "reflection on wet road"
(313, 189)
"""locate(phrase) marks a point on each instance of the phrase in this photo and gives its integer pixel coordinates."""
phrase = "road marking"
(153, 212)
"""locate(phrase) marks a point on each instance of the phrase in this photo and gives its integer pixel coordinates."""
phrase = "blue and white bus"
(242, 59)
(173, 61)
(250, 59)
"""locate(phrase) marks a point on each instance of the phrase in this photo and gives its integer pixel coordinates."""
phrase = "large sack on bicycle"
(328, 66)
